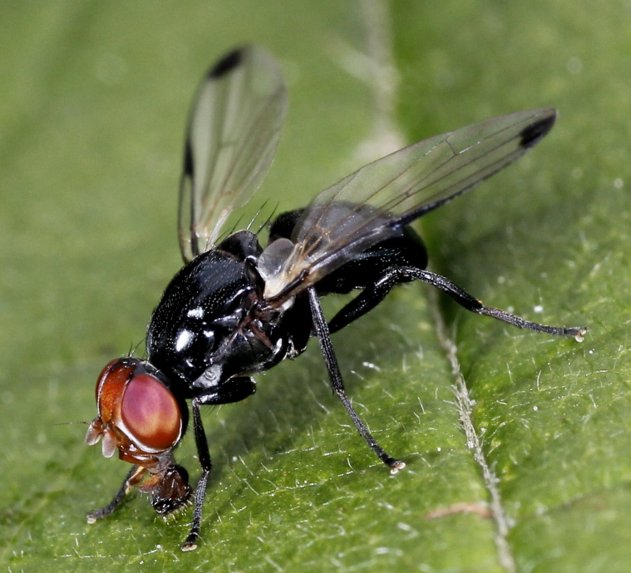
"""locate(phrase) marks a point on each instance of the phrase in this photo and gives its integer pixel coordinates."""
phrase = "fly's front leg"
(337, 384)
(203, 455)
(233, 390)
(113, 505)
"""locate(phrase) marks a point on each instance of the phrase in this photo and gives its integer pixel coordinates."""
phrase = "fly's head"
(141, 418)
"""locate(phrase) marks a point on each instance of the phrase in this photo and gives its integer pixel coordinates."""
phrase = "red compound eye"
(150, 413)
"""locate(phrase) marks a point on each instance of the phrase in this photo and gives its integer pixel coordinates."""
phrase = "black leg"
(337, 385)
(93, 516)
(375, 292)
(234, 390)
(464, 299)
(370, 297)
(203, 454)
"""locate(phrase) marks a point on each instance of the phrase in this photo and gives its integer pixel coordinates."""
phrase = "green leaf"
(93, 111)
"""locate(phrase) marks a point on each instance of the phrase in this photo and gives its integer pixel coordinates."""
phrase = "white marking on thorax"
(197, 312)
(183, 340)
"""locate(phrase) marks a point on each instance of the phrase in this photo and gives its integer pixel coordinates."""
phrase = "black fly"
(237, 308)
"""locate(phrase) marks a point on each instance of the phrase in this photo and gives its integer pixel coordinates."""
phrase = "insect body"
(237, 308)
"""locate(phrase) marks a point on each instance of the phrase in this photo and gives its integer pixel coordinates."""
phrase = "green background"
(95, 97)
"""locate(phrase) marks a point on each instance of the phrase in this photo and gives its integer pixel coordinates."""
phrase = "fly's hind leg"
(377, 290)
(371, 296)
(469, 302)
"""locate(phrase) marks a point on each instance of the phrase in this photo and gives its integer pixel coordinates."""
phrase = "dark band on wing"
(188, 159)
(532, 134)
(226, 64)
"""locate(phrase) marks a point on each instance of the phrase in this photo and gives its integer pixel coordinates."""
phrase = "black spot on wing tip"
(533, 134)
(226, 64)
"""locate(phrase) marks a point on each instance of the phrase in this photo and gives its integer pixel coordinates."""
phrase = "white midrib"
(464, 404)
(384, 86)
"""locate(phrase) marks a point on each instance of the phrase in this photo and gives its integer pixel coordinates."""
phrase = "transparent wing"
(375, 201)
(232, 136)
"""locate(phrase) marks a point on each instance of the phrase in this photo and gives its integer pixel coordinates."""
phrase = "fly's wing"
(374, 203)
(233, 132)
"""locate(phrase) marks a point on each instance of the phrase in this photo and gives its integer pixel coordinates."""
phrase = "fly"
(237, 308)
